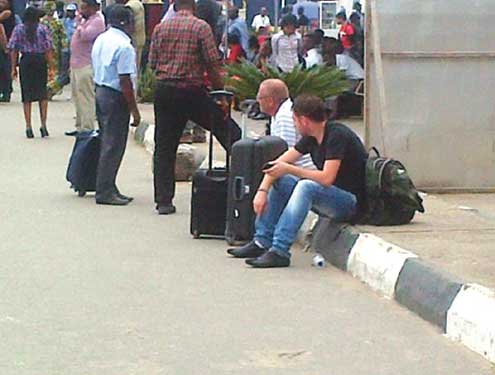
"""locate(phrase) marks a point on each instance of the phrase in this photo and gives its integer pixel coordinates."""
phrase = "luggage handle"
(375, 150)
(229, 95)
(246, 106)
(240, 189)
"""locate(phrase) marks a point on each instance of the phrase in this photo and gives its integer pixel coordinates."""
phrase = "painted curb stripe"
(471, 320)
(334, 241)
(427, 291)
(377, 263)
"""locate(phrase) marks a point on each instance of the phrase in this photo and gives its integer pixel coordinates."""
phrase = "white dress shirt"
(113, 55)
(350, 67)
(260, 21)
(313, 58)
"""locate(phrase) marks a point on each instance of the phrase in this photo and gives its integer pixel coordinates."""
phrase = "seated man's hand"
(279, 169)
(260, 202)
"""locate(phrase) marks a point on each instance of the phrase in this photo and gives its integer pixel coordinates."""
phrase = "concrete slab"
(450, 236)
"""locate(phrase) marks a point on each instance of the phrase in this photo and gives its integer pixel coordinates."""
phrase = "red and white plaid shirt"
(183, 49)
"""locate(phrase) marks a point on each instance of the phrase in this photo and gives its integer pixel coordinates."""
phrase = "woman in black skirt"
(34, 42)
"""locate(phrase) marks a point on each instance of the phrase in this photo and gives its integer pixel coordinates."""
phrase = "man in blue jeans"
(287, 193)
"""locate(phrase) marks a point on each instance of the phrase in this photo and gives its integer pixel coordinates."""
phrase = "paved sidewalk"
(457, 233)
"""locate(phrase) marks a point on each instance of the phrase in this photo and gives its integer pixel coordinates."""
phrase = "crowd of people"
(324, 167)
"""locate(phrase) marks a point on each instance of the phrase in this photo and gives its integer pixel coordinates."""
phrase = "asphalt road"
(86, 289)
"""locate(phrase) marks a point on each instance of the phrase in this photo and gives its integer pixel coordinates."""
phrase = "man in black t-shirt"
(302, 20)
(287, 193)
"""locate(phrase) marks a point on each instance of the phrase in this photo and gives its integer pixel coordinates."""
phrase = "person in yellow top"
(139, 34)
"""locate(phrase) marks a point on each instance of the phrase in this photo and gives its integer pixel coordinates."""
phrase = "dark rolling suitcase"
(83, 163)
(248, 158)
(209, 191)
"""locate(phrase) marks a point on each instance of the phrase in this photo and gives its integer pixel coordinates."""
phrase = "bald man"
(273, 96)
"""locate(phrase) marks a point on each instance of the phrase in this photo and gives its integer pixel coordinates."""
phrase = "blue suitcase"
(83, 163)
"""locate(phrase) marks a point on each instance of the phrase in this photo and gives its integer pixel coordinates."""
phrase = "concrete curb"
(464, 312)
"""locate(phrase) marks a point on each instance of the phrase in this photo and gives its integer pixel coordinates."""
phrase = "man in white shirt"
(353, 71)
(261, 20)
(273, 96)
(114, 62)
(313, 56)
(287, 45)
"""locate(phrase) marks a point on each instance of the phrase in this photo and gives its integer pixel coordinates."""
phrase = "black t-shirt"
(303, 21)
(340, 143)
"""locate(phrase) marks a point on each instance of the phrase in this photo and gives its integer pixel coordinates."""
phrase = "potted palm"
(244, 80)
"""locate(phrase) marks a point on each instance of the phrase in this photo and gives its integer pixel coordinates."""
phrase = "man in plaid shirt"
(182, 50)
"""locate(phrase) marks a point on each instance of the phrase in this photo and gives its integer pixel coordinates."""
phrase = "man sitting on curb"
(287, 193)
(273, 97)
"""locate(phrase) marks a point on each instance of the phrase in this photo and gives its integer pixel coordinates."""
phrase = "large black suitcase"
(83, 163)
(248, 158)
(209, 189)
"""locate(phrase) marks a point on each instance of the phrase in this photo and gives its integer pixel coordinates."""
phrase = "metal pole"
(276, 4)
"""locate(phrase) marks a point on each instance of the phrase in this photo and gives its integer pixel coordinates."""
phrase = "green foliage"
(244, 80)
(146, 86)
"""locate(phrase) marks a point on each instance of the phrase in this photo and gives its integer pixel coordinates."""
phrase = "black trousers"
(113, 119)
(173, 108)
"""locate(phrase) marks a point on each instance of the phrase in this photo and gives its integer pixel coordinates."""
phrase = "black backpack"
(392, 198)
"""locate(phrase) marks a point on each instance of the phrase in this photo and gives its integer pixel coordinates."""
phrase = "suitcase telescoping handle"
(218, 96)
(246, 106)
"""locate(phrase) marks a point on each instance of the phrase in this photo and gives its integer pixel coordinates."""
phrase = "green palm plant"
(244, 80)
(146, 86)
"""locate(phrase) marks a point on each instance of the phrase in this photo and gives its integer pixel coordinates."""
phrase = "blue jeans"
(289, 201)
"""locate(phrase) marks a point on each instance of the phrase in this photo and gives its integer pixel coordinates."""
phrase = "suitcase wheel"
(196, 234)
(81, 193)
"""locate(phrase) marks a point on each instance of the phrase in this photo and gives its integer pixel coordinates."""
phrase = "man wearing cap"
(70, 22)
(287, 45)
(182, 50)
(114, 62)
(89, 25)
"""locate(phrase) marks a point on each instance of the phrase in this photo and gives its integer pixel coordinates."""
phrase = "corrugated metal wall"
(438, 102)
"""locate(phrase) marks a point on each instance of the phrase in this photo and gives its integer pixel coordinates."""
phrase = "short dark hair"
(233, 13)
(91, 3)
(119, 15)
(233, 38)
(300, 10)
(184, 4)
(319, 33)
(288, 20)
(310, 106)
(342, 16)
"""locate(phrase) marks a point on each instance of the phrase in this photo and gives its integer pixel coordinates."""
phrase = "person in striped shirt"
(273, 96)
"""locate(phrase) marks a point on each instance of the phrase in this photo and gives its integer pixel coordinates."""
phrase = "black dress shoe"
(114, 201)
(71, 133)
(250, 250)
(29, 133)
(122, 196)
(166, 209)
(269, 260)
(44, 132)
